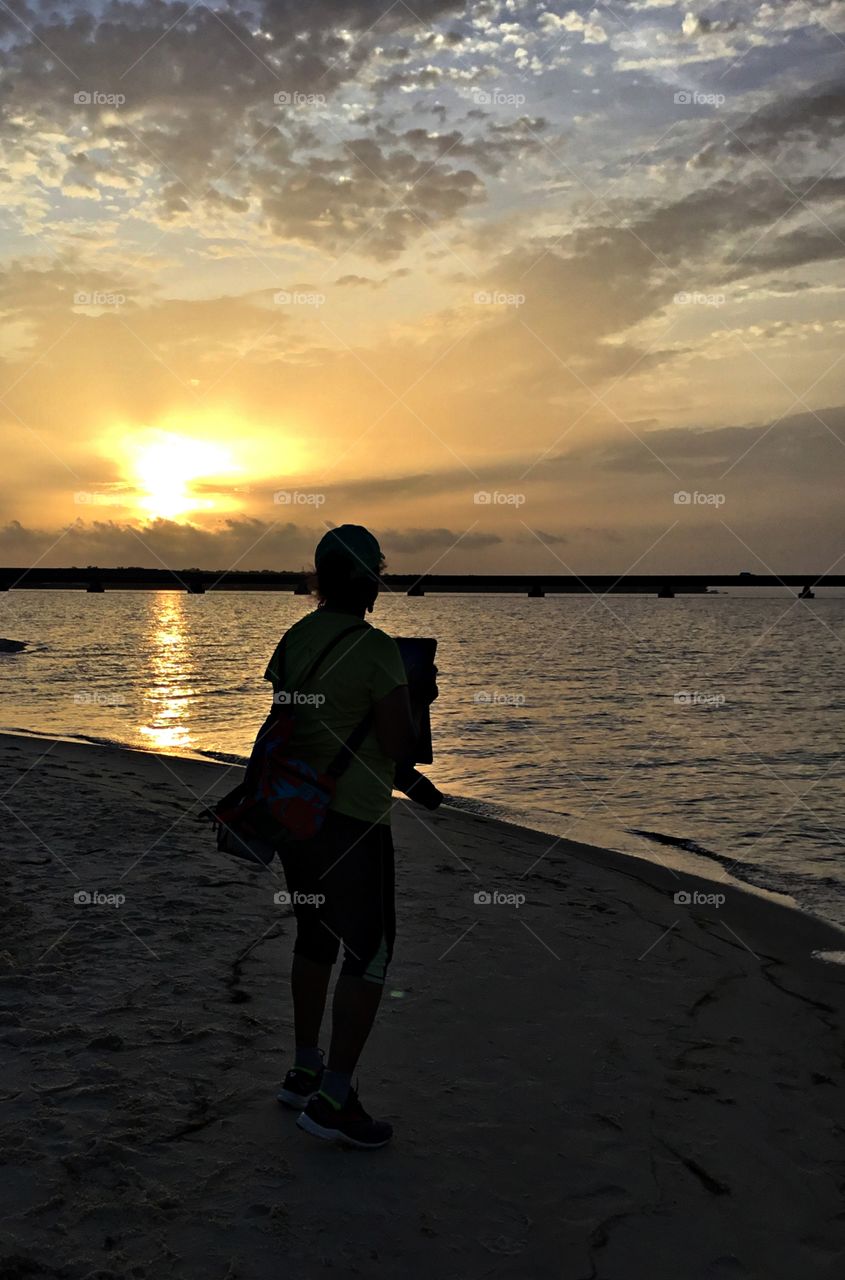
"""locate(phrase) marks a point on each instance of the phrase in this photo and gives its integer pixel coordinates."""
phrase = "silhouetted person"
(341, 881)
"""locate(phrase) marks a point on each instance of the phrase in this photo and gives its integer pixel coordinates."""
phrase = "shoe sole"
(296, 1101)
(336, 1135)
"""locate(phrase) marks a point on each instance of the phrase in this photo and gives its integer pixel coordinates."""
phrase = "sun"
(165, 467)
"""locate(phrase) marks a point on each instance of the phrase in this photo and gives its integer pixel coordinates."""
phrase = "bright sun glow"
(165, 468)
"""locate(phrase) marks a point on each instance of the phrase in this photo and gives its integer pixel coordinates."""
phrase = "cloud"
(817, 242)
(416, 540)
(815, 118)
(196, 105)
(365, 282)
(380, 192)
(200, 141)
(552, 539)
(578, 297)
(796, 463)
(239, 542)
(589, 28)
(695, 24)
(384, 179)
(374, 196)
(804, 448)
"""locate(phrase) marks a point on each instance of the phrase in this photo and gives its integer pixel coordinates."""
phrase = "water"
(561, 711)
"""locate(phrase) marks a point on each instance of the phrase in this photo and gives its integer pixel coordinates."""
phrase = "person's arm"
(417, 786)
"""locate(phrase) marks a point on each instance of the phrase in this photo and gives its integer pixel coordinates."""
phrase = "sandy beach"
(592, 1083)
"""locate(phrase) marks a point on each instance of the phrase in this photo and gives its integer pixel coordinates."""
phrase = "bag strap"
(322, 655)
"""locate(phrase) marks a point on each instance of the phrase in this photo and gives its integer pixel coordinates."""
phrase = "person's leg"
(367, 927)
(362, 882)
(309, 984)
(354, 1009)
(315, 951)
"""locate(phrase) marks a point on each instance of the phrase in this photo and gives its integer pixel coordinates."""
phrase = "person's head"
(348, 562)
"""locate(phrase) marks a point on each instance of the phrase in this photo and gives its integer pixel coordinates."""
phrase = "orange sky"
(499, 282)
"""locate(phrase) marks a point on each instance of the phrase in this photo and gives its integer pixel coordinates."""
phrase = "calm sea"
(709, 727)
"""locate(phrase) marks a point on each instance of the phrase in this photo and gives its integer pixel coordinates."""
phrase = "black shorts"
(341, 884)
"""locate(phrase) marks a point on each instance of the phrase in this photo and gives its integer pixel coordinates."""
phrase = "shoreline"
(649, 849)
(569, 1057)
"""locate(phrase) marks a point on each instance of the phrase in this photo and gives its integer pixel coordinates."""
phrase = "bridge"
(198, 581)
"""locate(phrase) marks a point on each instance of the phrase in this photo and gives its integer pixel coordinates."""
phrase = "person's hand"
(417, 787)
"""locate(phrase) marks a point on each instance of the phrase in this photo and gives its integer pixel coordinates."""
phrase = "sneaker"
(299, 1087)
(348, 1124)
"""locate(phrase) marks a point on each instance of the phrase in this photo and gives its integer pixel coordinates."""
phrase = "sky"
(522, 287)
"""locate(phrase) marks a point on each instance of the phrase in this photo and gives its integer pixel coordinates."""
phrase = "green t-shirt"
(360, 670)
